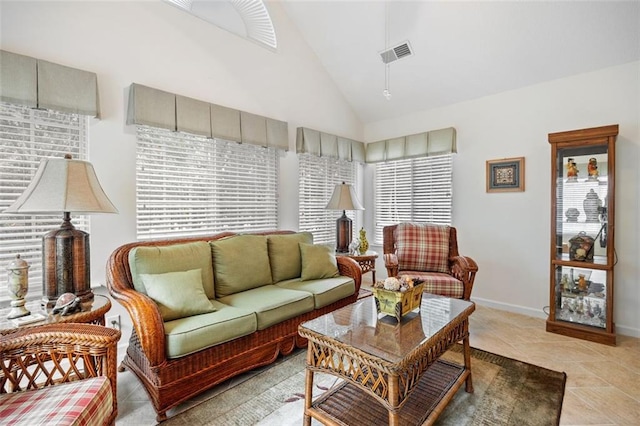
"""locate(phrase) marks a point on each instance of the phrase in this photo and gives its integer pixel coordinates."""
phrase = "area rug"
(506, 392)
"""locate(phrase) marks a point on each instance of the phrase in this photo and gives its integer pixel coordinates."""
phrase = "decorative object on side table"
(18, 285)
(344, 198)
(364, 244)
(505, 175)
(63, 185)
(397, 296)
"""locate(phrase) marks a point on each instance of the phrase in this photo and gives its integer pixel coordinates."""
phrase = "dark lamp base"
(343, 233)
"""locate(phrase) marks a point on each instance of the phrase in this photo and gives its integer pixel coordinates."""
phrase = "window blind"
(190, 185)
(318, 177)
(418, 190)
(26, 136)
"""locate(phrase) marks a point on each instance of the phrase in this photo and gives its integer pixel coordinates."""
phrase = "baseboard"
(539, 313)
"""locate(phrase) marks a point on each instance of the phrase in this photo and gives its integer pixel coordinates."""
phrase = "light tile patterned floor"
(603, 385)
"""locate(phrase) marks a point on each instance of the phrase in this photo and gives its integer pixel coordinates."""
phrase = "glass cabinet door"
(581, 296)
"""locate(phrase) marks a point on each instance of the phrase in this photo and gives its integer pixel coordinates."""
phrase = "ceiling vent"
(403, 50)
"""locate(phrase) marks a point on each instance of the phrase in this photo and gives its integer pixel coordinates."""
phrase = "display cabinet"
(582, 233)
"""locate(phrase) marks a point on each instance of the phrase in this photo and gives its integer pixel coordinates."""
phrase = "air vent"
(400, 51)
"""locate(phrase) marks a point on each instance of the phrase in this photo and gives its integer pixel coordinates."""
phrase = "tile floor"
(603, 384)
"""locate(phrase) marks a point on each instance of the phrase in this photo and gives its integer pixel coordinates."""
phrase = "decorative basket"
(397, 303)
(581, 247)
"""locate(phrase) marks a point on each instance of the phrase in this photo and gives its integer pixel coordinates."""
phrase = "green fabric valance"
(153, 107)
(434, 142)
(41, 84)
(322, 144)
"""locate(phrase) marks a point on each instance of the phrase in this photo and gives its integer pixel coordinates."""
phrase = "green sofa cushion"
(240, 263)
(271, 303)
(284, 254)
(325, 291)
(172, 258)
(178, 294)
(318, 261)
(191, 334)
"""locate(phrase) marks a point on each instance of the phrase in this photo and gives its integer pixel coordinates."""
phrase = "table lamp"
(64, 185)
(343, 198)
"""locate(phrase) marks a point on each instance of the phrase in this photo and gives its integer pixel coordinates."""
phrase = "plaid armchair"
(59, 374)
(430, 253)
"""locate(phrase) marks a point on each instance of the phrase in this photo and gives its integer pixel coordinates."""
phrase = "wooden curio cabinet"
(582, 233)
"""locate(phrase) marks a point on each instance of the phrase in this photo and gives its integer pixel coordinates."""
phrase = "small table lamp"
(63, 185)
(344, 198)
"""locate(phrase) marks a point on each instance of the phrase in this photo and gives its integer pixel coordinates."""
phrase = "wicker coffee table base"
(349, 404)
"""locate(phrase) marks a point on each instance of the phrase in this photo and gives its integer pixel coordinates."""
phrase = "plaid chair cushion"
(422, 247)
(438, 283)
(83, 402)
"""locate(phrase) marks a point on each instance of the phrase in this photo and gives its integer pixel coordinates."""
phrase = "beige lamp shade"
(63, 185)
(344, 198)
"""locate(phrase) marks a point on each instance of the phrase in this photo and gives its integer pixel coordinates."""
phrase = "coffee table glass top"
(361, 327)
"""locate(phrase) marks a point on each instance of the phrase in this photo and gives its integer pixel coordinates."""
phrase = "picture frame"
(505, 175)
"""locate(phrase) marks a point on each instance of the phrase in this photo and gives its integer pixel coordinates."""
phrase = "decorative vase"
(592, 204)
(364, 244)
(18, 285)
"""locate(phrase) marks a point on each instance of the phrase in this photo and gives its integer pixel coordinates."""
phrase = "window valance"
(322, 144)
(434, 142)
(157, 108)
(41, 84)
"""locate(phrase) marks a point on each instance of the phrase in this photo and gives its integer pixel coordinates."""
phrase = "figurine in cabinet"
(572, 170)
(592, 169)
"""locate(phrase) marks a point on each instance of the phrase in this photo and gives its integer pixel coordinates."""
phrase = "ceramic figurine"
(364, 244)
(592, 169)
(572, 170)
(17, 286)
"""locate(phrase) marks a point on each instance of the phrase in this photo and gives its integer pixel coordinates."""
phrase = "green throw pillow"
(318, 261)
(284, 254)
(178, 294)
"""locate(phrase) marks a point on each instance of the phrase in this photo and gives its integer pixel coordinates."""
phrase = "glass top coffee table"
(392, 371)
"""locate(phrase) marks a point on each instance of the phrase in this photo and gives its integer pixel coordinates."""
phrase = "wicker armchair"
(61, 362)
(430, 253)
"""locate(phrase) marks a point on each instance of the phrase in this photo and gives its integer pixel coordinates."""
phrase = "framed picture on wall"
(505, 175)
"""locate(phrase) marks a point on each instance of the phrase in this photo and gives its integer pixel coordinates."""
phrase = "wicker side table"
(93, 312)
(367, 262)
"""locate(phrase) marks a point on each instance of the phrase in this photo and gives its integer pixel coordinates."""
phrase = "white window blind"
(418, 190)
(191, 185)
(318, 177)
(26, 136)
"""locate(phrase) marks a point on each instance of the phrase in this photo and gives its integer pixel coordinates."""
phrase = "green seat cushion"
(172, 258)
(271, 303)
(240, 263)
(191, 334)
(318, 261)
(325, 291)
(178, 294)
(284, 254)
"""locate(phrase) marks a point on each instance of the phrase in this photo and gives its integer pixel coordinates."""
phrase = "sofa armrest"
(350, 268)
(78, 351)
(464, 268)
(147, 321)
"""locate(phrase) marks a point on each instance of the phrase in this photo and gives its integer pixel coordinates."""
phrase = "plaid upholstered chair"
(59, 374)
(430, 253)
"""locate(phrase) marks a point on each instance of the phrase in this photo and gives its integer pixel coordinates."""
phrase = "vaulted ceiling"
(461, 50)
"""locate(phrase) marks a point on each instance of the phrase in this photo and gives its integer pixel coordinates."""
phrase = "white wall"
(508, 233)
(158, 45)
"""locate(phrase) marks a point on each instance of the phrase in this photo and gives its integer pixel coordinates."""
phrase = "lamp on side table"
(63, 185)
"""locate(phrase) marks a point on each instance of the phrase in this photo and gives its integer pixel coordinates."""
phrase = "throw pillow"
(178, 294)
(318, 261)
(284, 254)
(422, 247)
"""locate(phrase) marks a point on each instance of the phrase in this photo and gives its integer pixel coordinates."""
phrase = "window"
(418, 189)
(191, 185)
(26, 136)
(318, 177)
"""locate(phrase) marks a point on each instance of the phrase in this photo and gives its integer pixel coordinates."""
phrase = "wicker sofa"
(258, 288)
